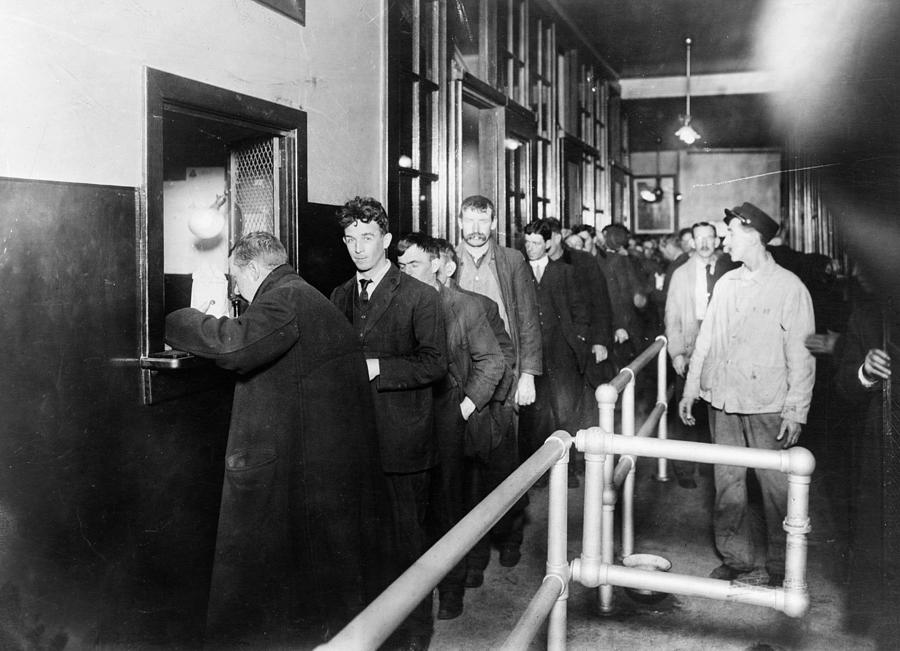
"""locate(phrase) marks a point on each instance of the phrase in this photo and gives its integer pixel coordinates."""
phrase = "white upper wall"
(72, 75)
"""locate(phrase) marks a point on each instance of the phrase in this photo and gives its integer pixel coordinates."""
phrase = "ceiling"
(645, 38)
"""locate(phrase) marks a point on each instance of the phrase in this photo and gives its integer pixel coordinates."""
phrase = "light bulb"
(206, 223)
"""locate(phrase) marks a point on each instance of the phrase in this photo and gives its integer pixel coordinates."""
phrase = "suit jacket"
(559, 289)
(475, 362)
(682, 324)
(624, 283)
(517, 290)
(592, 284)
(492, 313)
(404, 330)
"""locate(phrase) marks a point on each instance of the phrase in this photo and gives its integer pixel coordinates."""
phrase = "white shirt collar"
(376, 278)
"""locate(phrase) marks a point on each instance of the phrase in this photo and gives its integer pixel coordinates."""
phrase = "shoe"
(474, 577)
(776, 580)
(417, 642)
(725, 573)
(510, 555)
(451, 605)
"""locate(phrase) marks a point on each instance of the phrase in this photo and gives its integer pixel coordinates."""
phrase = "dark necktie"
(710, 281)
(363, 290)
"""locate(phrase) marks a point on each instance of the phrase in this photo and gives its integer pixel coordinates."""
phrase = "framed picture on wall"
(653, 201)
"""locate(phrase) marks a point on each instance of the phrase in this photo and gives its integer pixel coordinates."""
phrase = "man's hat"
(750, 215)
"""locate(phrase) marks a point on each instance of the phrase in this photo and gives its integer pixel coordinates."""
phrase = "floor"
(672, 520)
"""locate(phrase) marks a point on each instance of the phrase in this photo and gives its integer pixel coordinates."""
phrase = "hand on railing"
(600, 353)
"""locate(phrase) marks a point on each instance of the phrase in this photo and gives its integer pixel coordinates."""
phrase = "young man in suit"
(400, 325)
(565, 324)
(475, 368)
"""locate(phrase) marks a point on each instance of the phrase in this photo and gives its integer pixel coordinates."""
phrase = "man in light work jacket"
(752, 367)
(501, 274)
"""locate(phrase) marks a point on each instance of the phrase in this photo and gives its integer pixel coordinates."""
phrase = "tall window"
(415, 119)
(543, 62)
(512, 41)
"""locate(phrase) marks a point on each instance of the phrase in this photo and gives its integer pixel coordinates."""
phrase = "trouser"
(699, 432)
(447, 506)
(408, 494)
(733, 519)
(483, 475)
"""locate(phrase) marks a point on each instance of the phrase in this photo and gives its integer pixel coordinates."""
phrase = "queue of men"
(439, 374)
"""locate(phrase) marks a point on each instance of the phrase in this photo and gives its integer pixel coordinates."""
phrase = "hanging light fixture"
(687, 133)
(656, 194)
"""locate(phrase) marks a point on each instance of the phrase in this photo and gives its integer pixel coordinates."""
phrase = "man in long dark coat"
(565, 323)
(298, 515)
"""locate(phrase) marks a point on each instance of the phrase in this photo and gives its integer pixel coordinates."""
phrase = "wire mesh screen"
(254, 188)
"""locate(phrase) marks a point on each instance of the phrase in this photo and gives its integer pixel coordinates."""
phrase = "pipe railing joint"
(593, 440)
(798, 526)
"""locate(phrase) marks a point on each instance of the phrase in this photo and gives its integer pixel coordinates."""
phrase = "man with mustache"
(501, 274)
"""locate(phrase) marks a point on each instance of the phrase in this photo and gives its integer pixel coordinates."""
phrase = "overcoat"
(298, 517)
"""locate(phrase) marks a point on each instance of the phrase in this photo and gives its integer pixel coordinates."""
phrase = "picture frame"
(293, 9)
(654, 216)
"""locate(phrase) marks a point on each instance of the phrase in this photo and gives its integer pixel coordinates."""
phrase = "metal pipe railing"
(550, 599)
(626, 461)
(797, 463)
(607, 395)
(373, 625)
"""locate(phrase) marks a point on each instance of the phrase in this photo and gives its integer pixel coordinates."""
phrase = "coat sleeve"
(854, 346)
(701, 347)
(675, 313)
(798, 323)
(530, 354)
(427, 362)
(488, 363)
(265, 332)
(601, 308)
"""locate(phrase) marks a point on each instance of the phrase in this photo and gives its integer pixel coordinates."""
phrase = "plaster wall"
(73, 80)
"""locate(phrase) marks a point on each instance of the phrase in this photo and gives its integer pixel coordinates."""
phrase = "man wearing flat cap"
(751, 365)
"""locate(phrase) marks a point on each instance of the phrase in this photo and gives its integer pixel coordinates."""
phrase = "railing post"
(628, 484)
(662, 385)
(557, 552)
(607, 395)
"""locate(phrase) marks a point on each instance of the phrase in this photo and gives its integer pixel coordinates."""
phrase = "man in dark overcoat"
(565, 328)
(399, 322)
(297, 525)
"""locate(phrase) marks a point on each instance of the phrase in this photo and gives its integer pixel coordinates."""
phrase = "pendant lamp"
(687, 133)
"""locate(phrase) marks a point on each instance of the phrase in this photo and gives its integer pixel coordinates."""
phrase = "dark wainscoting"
(108, 508)
(324, 262)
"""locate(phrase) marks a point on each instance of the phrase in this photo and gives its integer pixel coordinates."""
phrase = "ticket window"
(218, 167)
